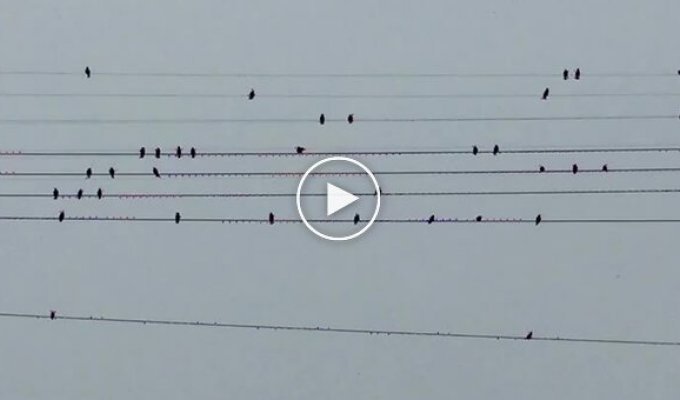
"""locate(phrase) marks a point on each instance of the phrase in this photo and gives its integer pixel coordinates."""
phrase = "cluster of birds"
(79, 194)
(157, 152)
(480, 218)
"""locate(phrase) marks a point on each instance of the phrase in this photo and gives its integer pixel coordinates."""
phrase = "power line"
(338, 330)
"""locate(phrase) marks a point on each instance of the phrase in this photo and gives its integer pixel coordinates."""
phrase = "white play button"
(337, 199)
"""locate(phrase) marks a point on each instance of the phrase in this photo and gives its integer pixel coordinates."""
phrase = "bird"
(538, 219)
(88, 173)
(350, 118)
(475, 150)
(574, 169)
(605, 168)
(156, 173)
(251, 95)
(178, 152)
(193, 152)
(177, 218)
(142, 152)
(62, 215)
(679, 72)
(80, 194)
(53, 314)
(529, 335)
(565, 74)
(546, 92)
(479, 218)
(300, 150)
(271, 218)
(356, 219)
(158, 152)
(431, 219)
(55, 193)
(496, 150)
(541, 168)
(322, 119)
(577, 74)
(100, 193)
(112, 172)
(88, 72)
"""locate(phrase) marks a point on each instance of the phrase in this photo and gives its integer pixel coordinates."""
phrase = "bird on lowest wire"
(430, 220)
(605, 168)
(158, 152)
(496, 150)
(53, 314)
(577, 74)
(192, 152)
(62, 215)
(565, 74)
(251, 95)
(300, 149)
(350, 118)
(541, 168)
(79, 195)
(574, 169)
(271, 218)
(156, 173)
(529, 335)
(177, 218)
(322, 119)
(142, 152)
(538, 219)
(88, 72)
(479, 218)
(100, 193)
(546, 92)
(475, 150)
(55, 193)
(356, 219)
(112, 173)
(88, 173)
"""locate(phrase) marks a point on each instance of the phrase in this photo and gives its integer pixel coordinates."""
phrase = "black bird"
(565, 74)
(546, 92)
(100, 193)
(251, 95)
(55, 193)
(322, 119)
(80, 194)
(193, 152)
(112, 172)
(479, 218)
(271, 218)
(541, 168)
(529, 335)
(475, 150)
(142, 152)
(156, 173)
(679, 72)
(62, 215)
(53, 314)
(574, 169)
(356, 219)
(300, 150)
(577, 74)
(177, 218)
(605, 168)
(158, 152)
(496, 150)
(178, 152)
(431, 219)
(350, 118)
(88, 72)
(538, 219)
(88, 173)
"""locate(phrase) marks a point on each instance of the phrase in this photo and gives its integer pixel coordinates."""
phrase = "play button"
(337, 199)
(343, 208)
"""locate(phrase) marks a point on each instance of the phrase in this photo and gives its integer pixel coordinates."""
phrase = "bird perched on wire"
(605, 168)
(178, 152)
(350, 118)
(496, 150)
(251, 95)
(479, 218)
(541, 168)
(156, 173)
(300, 149)
(55, 193)
(538, 219)
(158, 152)
(142, 152)
(322, 119)
(62, 216)
(79, 195)
(53, 314)
(546, 93)
(529, 335)
(577, 74)
(193, 152)
(100, 193)
(88, 173)
(177, 217)
(88, 72)
(271, 218)
(431, 219)
(356, 219)
(565, 74)
(112, 173)
(574, 169)
(475, 150)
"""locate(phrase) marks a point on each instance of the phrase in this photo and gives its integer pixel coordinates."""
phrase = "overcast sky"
(600, 281)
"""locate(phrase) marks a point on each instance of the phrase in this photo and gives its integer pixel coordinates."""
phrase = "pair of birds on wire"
(432, 219)
(495, 151)
(322, 119)
(79, 195)
(577, 74)
(157, 152)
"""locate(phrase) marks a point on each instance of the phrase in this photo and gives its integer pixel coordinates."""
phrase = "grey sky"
(586, 281)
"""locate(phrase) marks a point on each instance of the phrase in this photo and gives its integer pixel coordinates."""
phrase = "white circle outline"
(320, 163)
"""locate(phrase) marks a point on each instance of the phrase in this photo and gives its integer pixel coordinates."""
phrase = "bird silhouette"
(605, 168)
(158, 152)
(356, 219)
(350, 118)
(541, 168)
(538, 219)
(431, 219)
(88, 72)
(565, 74)
(62, 215)
(178, 152)
(546, 92)
(112, 172)
(53, 314)
(577, 74)
(529, 335)
(496, 150)
(322, 119)
(156, 173)
(177, 218)
(80, 194)
(55, 193)
(271, 218)
(679, 72)
(479, 218)
(574, 169)
(100, 193)
(88, 173)
(475, 150)
(251, 95)
(142, 152)
(300, 150)
(193, 152)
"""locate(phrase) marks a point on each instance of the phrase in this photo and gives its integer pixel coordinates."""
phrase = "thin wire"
(356, 331)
